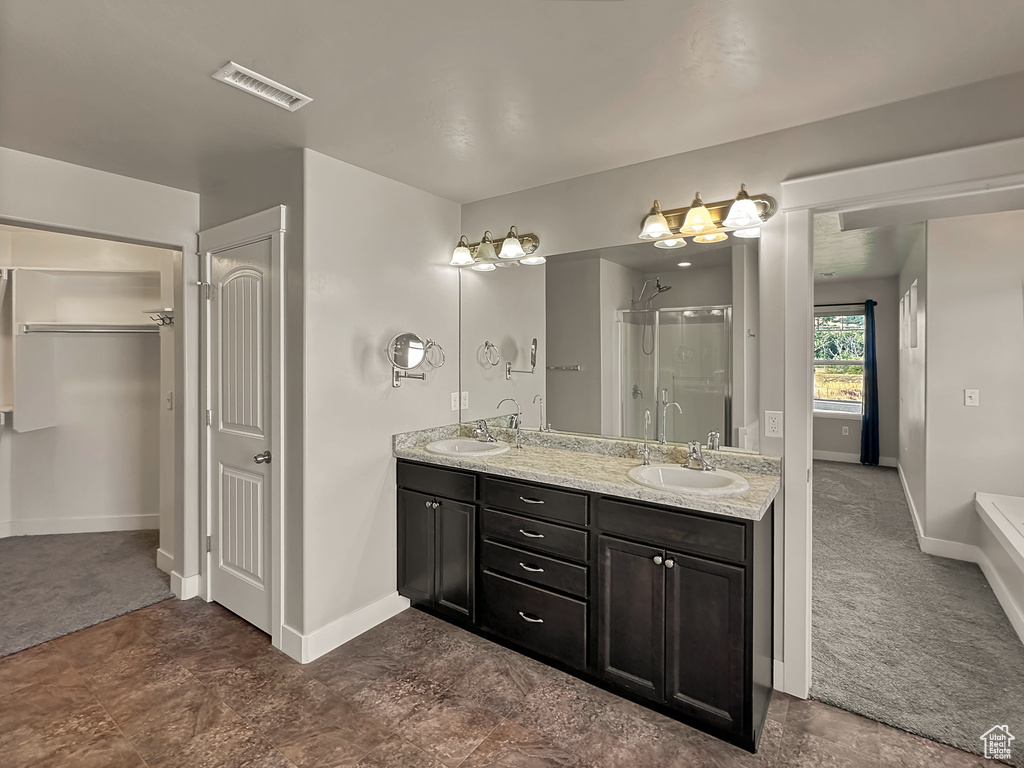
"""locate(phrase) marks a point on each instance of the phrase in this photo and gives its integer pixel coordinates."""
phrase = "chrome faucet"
(542, 428)
(644, 451)
(695, 459)
(664, 420)
(714, 440)
(517, 420)
(482, 433)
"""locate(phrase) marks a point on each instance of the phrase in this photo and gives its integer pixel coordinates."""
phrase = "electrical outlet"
(465, 401)
(773, 423)
(972, 398)
(846, 430)
(455, 401)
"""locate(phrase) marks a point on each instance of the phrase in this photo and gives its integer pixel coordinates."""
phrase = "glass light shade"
(743, 212)
(511, 248)
(485, 251)
(713, 237)
(484, 267)
(461, 256)
(655, 225)
(698, 218)
(531, 261)
(670, 242)
(752, 232)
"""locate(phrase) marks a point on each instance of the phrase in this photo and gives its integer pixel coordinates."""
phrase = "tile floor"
(189, 685)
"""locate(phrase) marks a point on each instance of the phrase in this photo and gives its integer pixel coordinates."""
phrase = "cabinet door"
(456, 556)
(704, 636)
(631, 616)
(416, 546)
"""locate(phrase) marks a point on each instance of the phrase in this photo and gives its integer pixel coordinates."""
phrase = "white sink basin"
(679, 479)
(466, 446)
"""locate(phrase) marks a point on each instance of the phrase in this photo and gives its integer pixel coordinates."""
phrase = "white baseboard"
(307, 648)
(918, 527)
(79, 525)
(852, 458)
(184, 587)
(164, 560)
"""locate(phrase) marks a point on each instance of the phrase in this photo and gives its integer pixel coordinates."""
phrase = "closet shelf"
(86, 328)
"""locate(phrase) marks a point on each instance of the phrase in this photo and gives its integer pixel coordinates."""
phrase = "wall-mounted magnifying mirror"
(533, 362)
(406, 352)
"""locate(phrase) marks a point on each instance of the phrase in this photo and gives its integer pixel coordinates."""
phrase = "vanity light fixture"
(511, 248)
(655, 225)
(742, 216)
(670, 242)
(510, 251)
(743, 212)
(461, 256)
(698, 218)
(711, 237)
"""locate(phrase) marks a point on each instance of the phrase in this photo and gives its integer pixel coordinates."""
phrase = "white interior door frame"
(270, 224)
(971, 174)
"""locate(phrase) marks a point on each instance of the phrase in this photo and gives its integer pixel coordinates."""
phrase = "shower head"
(662, 288)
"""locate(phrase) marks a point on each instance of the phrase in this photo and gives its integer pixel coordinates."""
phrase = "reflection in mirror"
(406, 351)
(622, 330)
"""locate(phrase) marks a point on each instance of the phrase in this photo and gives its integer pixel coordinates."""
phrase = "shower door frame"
(658, 405)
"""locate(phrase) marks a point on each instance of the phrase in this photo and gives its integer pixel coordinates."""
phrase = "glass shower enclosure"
(680, 355)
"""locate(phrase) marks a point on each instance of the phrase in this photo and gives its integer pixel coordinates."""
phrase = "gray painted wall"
(574, 338)
(975, 340)
(912, 436)
(827, 430)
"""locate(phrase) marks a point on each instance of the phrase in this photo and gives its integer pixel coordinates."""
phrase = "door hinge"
(209, 417)
(209, 543)
(204, 288)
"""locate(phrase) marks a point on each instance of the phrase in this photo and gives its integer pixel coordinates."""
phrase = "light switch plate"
(773, 423)
(972, 397)
(846, 430)
(465, 401)
(455, 401)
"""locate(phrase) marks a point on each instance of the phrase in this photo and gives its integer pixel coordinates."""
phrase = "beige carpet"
(53, 585)
(909, 639)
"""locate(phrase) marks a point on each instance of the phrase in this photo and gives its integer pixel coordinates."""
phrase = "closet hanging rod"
(86, 328)
(578, 368)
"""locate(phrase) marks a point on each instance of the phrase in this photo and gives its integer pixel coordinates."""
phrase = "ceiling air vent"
(264, 87)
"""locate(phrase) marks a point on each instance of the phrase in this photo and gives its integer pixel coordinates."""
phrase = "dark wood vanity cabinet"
(437, 539)
(665, 605)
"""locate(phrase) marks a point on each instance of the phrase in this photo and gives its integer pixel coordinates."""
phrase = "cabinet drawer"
(534, 534)
(542, 621)
(536, 569)
(701, 535)
(537, 501)
(443, 482)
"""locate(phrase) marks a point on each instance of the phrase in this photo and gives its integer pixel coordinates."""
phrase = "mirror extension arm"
(533, 362)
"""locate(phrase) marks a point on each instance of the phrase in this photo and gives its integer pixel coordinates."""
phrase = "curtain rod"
(844, 304)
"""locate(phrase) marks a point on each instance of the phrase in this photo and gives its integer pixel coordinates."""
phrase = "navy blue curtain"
(869, 421)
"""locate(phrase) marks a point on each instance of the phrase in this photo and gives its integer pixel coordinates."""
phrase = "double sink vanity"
(654, 582)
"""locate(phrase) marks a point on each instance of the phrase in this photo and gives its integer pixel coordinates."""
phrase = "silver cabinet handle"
(427, 505)
(658, 560)
(670, 563)
(531, 501)
(531, 568)
(531, 619)
(262, 458)
(435, 505)
(531, 534)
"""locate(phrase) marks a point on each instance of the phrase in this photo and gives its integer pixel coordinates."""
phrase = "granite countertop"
(601, 472)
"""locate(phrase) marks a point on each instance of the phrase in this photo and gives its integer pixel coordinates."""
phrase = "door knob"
(262, 458)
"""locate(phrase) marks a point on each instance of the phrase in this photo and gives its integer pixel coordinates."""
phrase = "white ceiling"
(648, 260)
(860, 253)
(464, 98)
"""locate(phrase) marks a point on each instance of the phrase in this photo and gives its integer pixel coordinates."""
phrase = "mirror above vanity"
(619, 331)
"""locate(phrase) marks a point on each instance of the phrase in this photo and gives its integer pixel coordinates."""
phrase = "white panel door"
(240, 439)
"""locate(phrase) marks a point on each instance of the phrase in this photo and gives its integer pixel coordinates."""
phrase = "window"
(839, 363)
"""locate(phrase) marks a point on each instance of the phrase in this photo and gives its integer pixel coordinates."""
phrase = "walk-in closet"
(86, 427)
